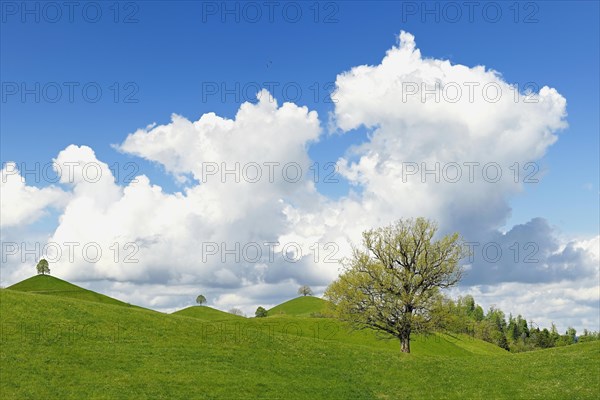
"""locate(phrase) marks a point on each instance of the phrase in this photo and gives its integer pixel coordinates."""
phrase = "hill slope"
(101, 351)
(302, 306)
(50, 285)
(206, 313)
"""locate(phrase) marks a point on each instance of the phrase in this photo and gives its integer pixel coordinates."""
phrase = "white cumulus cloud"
(21, 204)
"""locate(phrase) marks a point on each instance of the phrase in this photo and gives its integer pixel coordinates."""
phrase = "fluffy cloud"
(431, 115)
(21, 204)
(231, 229)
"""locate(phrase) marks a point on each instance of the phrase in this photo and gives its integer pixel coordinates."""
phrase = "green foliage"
(588, 336)
(478, 313)
(305, 290)
(42, 267)
(200, 300)
(541, 338)
(563, 340)
(393, 283)
(461, 316)
(523, 329)
(572, 333)
(554, 336)
(497, 318)
(468, 303)
(261, 312)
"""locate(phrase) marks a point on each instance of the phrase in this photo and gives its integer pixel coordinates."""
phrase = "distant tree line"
(514, 334)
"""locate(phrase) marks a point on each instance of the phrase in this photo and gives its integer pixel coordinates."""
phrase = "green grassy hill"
(300, 306)
(50, 285)
(64, 348)
(206, 313)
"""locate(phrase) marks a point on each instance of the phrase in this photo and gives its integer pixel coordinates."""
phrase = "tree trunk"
(405, 344)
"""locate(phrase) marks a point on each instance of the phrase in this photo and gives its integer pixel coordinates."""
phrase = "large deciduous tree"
(393, 283)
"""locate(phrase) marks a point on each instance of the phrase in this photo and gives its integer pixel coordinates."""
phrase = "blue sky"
(170, 52)
(152, 59)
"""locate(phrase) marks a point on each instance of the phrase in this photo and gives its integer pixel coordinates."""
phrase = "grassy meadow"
(56, 344)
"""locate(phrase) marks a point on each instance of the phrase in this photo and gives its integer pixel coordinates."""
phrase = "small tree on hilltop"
(201, 300)
(260, 312)
(42, 267)
(305, 290)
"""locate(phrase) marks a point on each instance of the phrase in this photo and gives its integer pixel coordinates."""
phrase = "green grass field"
(60, 347)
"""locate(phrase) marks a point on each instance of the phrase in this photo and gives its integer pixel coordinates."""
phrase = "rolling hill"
(300, 306)
(54, 347)
(50, 285)
(206, 313)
